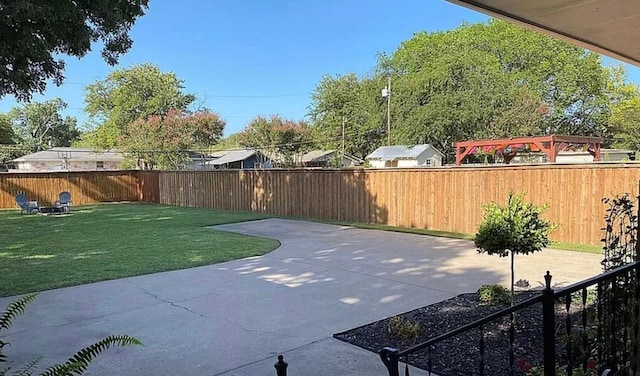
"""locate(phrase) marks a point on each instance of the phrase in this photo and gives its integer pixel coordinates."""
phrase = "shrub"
(493, 295)
(516, 228)
(403, 329)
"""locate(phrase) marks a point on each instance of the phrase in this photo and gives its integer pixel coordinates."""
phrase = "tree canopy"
(486, 80)
(353, 102)
(162, 141)
(127, 95)
(282, 137)
(33, 33)
(40, 125)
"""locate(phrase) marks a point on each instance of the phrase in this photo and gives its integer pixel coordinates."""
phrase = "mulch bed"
(460, 355)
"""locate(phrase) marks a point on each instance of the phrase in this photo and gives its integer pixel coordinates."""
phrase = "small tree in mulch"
(516, 228)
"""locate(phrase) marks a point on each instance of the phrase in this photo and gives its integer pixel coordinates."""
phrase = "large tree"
(33, 33)
(467, 82)
(127, 95)
(163, 141)
(40, 125)
(353, 105)
(483, 80)
(8, 139)
(281, 138)
(7, 136)
(625, 110)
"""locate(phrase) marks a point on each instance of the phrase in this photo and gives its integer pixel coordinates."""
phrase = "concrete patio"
(234, 318)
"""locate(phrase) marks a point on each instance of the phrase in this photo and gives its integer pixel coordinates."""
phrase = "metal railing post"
(281, 366)
(389, 357)
(548, 328)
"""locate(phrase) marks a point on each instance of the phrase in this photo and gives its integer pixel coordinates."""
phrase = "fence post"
(389, 357)
(281, 366)
(548, 328)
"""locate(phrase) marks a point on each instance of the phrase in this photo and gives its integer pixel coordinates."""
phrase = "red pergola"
(508, 147)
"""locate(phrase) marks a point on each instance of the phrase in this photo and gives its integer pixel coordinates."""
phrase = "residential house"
(606, 155)
(68, 159)
(423, 155)
(200, 161)
(239, 159)
(576, 157)
(327, 158)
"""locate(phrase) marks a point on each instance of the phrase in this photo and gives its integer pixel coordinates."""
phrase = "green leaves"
(484, 80)
(287, 138)
(31, 32)
(39, 125)
(77, 364)
(355, 103)
(516, 227)
(162, 141)
(14, 310)
(127, 95)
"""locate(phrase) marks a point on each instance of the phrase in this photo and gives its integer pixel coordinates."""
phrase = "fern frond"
(28, 368)
(3, 358)
(14, 310)
(78, 363)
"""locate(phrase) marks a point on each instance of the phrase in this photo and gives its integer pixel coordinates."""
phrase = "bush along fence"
(589, 328)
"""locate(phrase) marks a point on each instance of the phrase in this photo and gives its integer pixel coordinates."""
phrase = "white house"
(606, 155)
(423, 155)
(68, 159)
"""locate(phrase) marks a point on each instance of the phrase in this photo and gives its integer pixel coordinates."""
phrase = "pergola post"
(554, 150)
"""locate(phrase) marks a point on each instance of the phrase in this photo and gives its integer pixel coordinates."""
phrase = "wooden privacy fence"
(85, 187)
(448, 199)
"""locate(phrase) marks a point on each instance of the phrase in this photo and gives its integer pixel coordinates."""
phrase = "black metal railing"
(597, 332)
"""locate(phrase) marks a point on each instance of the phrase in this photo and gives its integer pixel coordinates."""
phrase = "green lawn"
(110, 241)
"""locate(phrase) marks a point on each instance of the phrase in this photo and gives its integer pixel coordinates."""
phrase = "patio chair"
(26, 205)
(64, 201)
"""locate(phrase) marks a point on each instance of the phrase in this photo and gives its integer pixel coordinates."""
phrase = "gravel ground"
(460, 355)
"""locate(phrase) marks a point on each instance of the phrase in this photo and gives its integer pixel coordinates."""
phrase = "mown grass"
(111, 241)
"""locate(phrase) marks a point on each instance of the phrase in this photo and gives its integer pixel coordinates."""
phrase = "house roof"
(233, 156)
(314, 155)
(388, 153)
(218, 153)
(609, 27)
(73, 154)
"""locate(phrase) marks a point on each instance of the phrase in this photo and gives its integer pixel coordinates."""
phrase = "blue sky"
(245, 58)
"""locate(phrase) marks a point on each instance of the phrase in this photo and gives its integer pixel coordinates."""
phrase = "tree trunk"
(513, 276)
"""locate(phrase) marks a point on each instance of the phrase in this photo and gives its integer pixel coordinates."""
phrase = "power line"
(259, 96)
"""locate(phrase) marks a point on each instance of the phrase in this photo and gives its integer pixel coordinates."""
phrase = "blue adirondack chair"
(25, 205)
(64, 201)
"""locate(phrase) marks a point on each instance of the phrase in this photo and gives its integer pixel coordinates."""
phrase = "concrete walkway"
(234, 318)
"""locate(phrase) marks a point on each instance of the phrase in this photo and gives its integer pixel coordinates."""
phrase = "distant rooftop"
(401, 152)
(233, 156)
(73, 154)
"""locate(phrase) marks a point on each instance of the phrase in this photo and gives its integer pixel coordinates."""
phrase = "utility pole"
(386, 93)
(344, 121)
(389, 111)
